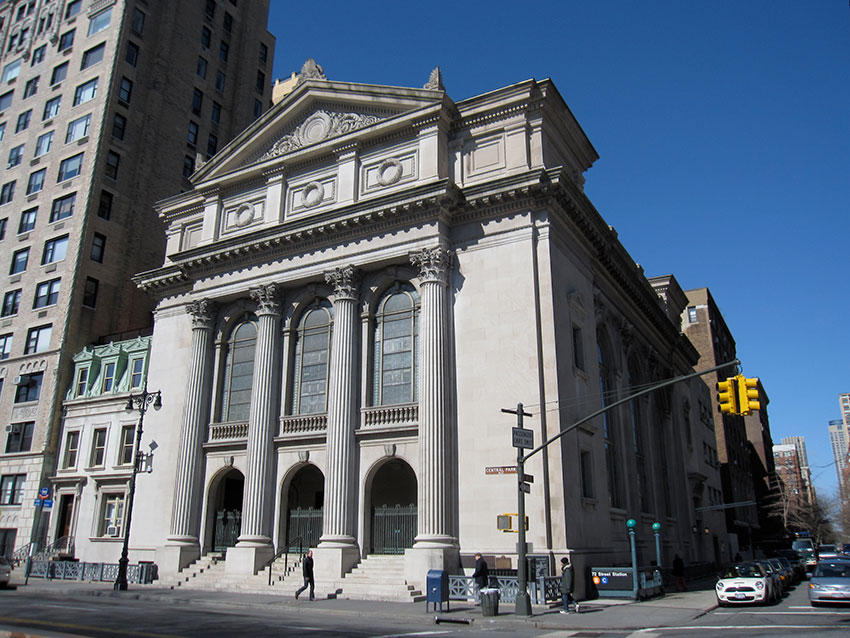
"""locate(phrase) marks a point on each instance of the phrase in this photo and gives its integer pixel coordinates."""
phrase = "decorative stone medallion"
(313, 194)
(389, 172)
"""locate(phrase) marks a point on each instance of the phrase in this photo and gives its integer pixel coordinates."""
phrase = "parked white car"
(744, 583)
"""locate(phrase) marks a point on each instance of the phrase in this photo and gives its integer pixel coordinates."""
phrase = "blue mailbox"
(438, 589)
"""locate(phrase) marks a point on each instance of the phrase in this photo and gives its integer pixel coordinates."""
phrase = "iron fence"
(393, 528)
(543, 590)
(142, 573)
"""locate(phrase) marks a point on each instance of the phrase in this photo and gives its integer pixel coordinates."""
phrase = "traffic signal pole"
(523, 601)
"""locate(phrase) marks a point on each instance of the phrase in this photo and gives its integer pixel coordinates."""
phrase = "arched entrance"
(304, 502)
(393, 499)
(226, 508)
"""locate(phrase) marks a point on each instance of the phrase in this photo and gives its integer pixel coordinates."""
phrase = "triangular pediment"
(316, 113)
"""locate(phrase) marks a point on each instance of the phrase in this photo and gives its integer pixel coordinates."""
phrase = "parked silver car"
(830, 582)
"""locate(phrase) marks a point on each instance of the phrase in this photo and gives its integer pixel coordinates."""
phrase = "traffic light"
(727, 397)
(506, 522)
(748, 394)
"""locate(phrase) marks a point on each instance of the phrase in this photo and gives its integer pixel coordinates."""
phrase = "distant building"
(799, 442)
(839, 438)
(788, 469)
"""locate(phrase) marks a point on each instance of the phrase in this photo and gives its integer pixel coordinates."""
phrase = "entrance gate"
(393, 528)
(304, 527)
(227, 526)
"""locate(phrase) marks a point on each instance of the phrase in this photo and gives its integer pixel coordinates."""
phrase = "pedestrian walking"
(480, 578)
(567, 583)
(307, 570)
(679, 573)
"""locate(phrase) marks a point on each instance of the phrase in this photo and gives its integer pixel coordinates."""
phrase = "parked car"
(743, 583)
(830, 582)
(807, 549)
(797, 562)
(774, 579)
(5, 571)
(790, 580)
(828, 552)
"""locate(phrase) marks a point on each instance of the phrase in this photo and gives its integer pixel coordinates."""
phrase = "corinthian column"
(257, 501)
(186, 507)
(435, 482)
(340, 495)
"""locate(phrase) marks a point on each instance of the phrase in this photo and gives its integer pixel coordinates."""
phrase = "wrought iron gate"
(227, 526)
(304, 523)
(393, 528)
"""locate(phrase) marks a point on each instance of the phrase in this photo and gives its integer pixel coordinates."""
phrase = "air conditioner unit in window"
(112, 530)
(15, 428)
(21, 379)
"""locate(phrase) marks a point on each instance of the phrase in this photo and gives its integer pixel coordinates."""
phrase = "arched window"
(312, 356)
(395, 373)
(609, 428)
(239, 372)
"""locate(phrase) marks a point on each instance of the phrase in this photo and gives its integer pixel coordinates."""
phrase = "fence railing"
(228, 431)
(543, 590)
(142, 573)
(303, 424)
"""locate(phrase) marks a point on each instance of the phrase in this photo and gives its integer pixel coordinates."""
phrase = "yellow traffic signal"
(506, 522)
(748, 394)
(727, 397)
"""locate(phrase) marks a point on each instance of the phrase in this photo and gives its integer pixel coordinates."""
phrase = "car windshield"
(832, 570)
(745, 570)
(802, 545)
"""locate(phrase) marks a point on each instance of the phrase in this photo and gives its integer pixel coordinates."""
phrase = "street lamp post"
(140, 403)
(631, 523)
(656, 527)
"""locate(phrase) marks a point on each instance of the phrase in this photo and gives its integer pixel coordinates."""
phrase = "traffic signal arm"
(727, 396)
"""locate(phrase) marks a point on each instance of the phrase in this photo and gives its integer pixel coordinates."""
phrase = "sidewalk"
(673, 609)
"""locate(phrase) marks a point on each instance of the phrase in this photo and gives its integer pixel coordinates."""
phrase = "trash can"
(490, 602)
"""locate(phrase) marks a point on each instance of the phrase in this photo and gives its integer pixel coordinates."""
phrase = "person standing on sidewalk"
(307, 570)
(480, 577)
(567, 581)
(679, 573)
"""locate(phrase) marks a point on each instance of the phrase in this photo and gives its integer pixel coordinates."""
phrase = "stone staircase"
(377, 577)
(208, 574)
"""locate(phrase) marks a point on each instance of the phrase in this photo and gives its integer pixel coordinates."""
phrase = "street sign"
(500, 469)
(528, 478)
(523, 438)
(48, 503)
(37, 502)
(43, 492)
(525, 487)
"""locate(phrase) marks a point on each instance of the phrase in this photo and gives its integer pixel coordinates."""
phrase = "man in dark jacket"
(567, 582)
(480, 577)
(307, 570)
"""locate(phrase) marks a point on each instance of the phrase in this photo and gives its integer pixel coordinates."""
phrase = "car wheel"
(814, 603)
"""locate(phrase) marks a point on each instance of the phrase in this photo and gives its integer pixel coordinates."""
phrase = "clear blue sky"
(722, 131)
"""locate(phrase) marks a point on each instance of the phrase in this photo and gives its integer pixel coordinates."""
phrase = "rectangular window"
(586, 474)
(85, 92)
(137, 367)
(70, 167)
(73, 8)
(202, 67)
(228, 22)
(131, 56)
(209, 11)
(43, 144)
(104, 209)
(223, 51)
(119, 126)
(11, 71)
(23, 121)
(112, 521)
(90, 292)
(72, 446)
(66, 40)
(137, 23)
(215, 115)
(219, 81)
(20, 437)
(38, 339)
(188, 166)
(19, 261)
(261, 81)
(3, 223)
(31, 87)
(99, 22)
(212, 145)
(112, 161)
(78, 129)
(5, 346)
(264, 54)
(125, 90)
(258, 109)
(54, 250)
(98, 447)
(6, 100)
(692, 314)
(46, 293)
(12, 489)
(2, 130)
(192, 136)
(51, 107)
(7, 192)
(11, 303)
(62, 207)
(27, 222)
(108, 377)
(29, 388)
(578, 348)
(206, 37)
(98, 247)
(15, 156)
(93, 56)
(60, 72)
(197, 101)
(125, 456)
(36, 181)
(38, 55)
(82, 382)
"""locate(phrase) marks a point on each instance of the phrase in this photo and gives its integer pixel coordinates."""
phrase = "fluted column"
(340, 497)
(185, 514)
(257, 503)
(435, 441)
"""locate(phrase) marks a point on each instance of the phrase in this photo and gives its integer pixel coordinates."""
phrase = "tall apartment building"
(105, 107)
(799, 442)
(839, 440)
(788, 468)
(704, 325)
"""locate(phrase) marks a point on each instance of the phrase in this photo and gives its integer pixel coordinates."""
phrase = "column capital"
(345, 282)
(203, 313)
(433, 263)
(267, 299)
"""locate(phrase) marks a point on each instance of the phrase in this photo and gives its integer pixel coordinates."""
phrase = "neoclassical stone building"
(354, 288)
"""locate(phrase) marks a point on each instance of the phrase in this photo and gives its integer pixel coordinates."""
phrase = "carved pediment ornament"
(320, 126)
(311, 70)
(435, 81)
